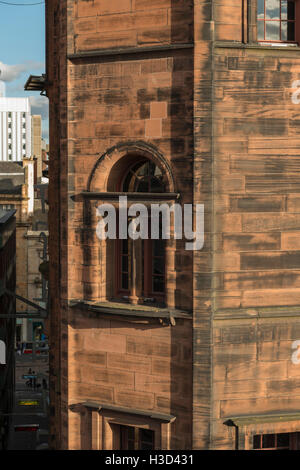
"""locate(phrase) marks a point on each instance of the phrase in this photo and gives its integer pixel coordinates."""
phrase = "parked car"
(41, 347)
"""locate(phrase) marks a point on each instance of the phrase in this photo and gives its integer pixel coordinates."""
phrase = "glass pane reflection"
(284, 33)
(261, 30)
(272, 9)
(284, 9)
(273, 30)
(261, 9)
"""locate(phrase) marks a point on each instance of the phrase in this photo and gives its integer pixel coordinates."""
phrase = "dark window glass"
(132, 438)
(268, 440)
(125, 285)
(256, 442)
(158, 266)
(158, 248)
(146, 439)
(125, 246)
(127, 438)
(124, 264)
(291, 31)
(144, 177)
(291, 11)
(283, 440)
(272, 441)
(158, 284)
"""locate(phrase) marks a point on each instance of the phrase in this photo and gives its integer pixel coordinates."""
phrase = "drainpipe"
(230, 423)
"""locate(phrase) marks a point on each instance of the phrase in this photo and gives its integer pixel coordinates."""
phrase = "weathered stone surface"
(187, 79)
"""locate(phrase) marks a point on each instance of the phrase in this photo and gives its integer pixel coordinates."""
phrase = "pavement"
(30, 406)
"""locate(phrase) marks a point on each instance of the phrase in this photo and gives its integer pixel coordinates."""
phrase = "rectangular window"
(282, 441)
(276, 20)
(146, 258)
(132, 438)
(7, 207)
(124, 266)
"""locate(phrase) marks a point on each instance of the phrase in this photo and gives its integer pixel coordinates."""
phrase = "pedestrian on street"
(30, 373)
(34, 380)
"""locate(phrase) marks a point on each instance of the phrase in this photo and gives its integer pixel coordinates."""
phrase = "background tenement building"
(188, 101)
(18, 192)
(7, 319)
(37, 142)
(15, 129)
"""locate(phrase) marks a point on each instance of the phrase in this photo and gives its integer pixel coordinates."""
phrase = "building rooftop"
(5, 216)
(15, 105)
(12, 177)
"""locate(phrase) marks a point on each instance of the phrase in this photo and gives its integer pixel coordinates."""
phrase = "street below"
(29, 420)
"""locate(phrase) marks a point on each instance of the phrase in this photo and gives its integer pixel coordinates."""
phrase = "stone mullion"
(252, 20)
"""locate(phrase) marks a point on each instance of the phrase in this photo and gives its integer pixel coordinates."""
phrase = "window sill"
(257, 45)
(132, 313)
(114, 196)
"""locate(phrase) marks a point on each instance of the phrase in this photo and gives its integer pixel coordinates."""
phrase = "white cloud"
(9, 73)
(39, 105)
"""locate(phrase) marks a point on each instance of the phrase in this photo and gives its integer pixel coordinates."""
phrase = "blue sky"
(22, 51)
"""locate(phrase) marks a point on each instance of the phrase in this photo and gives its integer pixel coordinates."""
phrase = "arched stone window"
(138, 271)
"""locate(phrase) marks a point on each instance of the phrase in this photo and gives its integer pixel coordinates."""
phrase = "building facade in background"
(37, 142)
(18, 192)
(155, 346)
(7, 325)
(15, 129)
